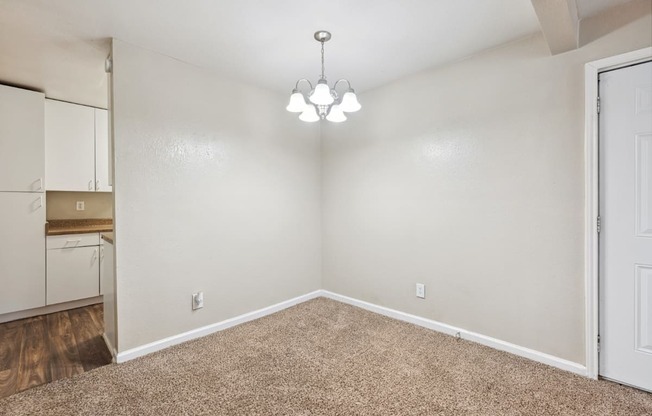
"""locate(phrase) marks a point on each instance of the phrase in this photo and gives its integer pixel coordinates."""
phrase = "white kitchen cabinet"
(76, 147)
(73, 240)
(22, 144)
(69, 147)
(22, 251)
(102, 179)
(103, 266)
(73, 273)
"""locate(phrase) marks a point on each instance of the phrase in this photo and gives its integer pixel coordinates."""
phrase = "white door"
(22, 142)
(69, 147)
(22, 251)
(626, 235)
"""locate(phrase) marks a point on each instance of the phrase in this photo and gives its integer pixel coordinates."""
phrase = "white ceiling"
(60, 46)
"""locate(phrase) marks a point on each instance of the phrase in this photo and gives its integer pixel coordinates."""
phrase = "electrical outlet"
(80, 206)
(197, 300)
(421, 290)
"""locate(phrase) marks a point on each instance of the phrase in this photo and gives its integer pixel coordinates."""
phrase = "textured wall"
(470, 178)
(217, 188)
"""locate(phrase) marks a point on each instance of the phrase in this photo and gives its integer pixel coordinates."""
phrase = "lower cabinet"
(106, 268)
(22, 252)
(107, 288)
(73, 267)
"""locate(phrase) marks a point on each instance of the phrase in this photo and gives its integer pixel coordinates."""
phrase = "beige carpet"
(326, 358)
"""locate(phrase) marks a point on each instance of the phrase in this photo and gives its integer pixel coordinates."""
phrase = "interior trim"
(109, 346)
(132, 353)
(497, 344)
(392, 313)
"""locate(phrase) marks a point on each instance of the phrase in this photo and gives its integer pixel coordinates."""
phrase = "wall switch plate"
(197, 300)
(421, 290)
(80, 206)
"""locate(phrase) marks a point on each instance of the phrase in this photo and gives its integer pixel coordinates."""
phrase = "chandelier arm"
(296, 86)
(342, 80)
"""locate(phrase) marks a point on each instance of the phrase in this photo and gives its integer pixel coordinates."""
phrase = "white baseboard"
(533, 355)
(209, 329)
(109, 346)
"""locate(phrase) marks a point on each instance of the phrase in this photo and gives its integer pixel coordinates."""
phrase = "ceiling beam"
(559, 23)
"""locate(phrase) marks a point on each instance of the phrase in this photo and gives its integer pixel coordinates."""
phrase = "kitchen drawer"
(73, 240)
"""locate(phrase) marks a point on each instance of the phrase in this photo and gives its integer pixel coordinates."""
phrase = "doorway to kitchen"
(56, 254)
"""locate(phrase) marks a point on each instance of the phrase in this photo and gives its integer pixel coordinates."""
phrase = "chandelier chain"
(322, 60)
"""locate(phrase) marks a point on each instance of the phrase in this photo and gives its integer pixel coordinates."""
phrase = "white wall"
(217, 188)
(469, 178)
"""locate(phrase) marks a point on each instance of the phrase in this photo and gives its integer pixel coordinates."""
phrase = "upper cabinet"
(22, 156)
(102, 178)
(76, 147)
(69, 147)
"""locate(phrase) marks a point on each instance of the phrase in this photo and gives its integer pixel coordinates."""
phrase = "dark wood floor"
(45, 348)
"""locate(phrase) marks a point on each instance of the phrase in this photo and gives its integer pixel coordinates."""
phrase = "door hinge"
(599, 223)
(598, 105)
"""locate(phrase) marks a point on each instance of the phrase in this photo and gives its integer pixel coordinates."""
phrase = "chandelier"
(323, 102)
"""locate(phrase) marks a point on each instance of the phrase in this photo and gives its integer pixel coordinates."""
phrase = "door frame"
(592, 197)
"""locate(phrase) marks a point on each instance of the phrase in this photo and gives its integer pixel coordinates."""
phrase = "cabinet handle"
(101, 254)
(40, 184)
(97, 185)
(90, 185)
(94, 254)
(36, 204)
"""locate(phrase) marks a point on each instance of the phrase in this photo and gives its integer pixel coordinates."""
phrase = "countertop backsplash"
(63, 205)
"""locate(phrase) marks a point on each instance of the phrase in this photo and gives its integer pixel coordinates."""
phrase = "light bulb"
(350, 102)
(309, 114)
(322, 94)
(336, 115)
(297, 102)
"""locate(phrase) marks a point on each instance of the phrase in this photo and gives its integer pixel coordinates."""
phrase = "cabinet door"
(106, 268)
(22, 251)
(72, 274)
(22, 140)
(102, 182)
(102, 269)
(108, 290)
(69, 147)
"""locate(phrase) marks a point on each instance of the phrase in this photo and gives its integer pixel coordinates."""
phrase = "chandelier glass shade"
(322, 102)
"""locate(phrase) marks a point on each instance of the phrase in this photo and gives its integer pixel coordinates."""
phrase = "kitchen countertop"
(108, 237)
(81, 226)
